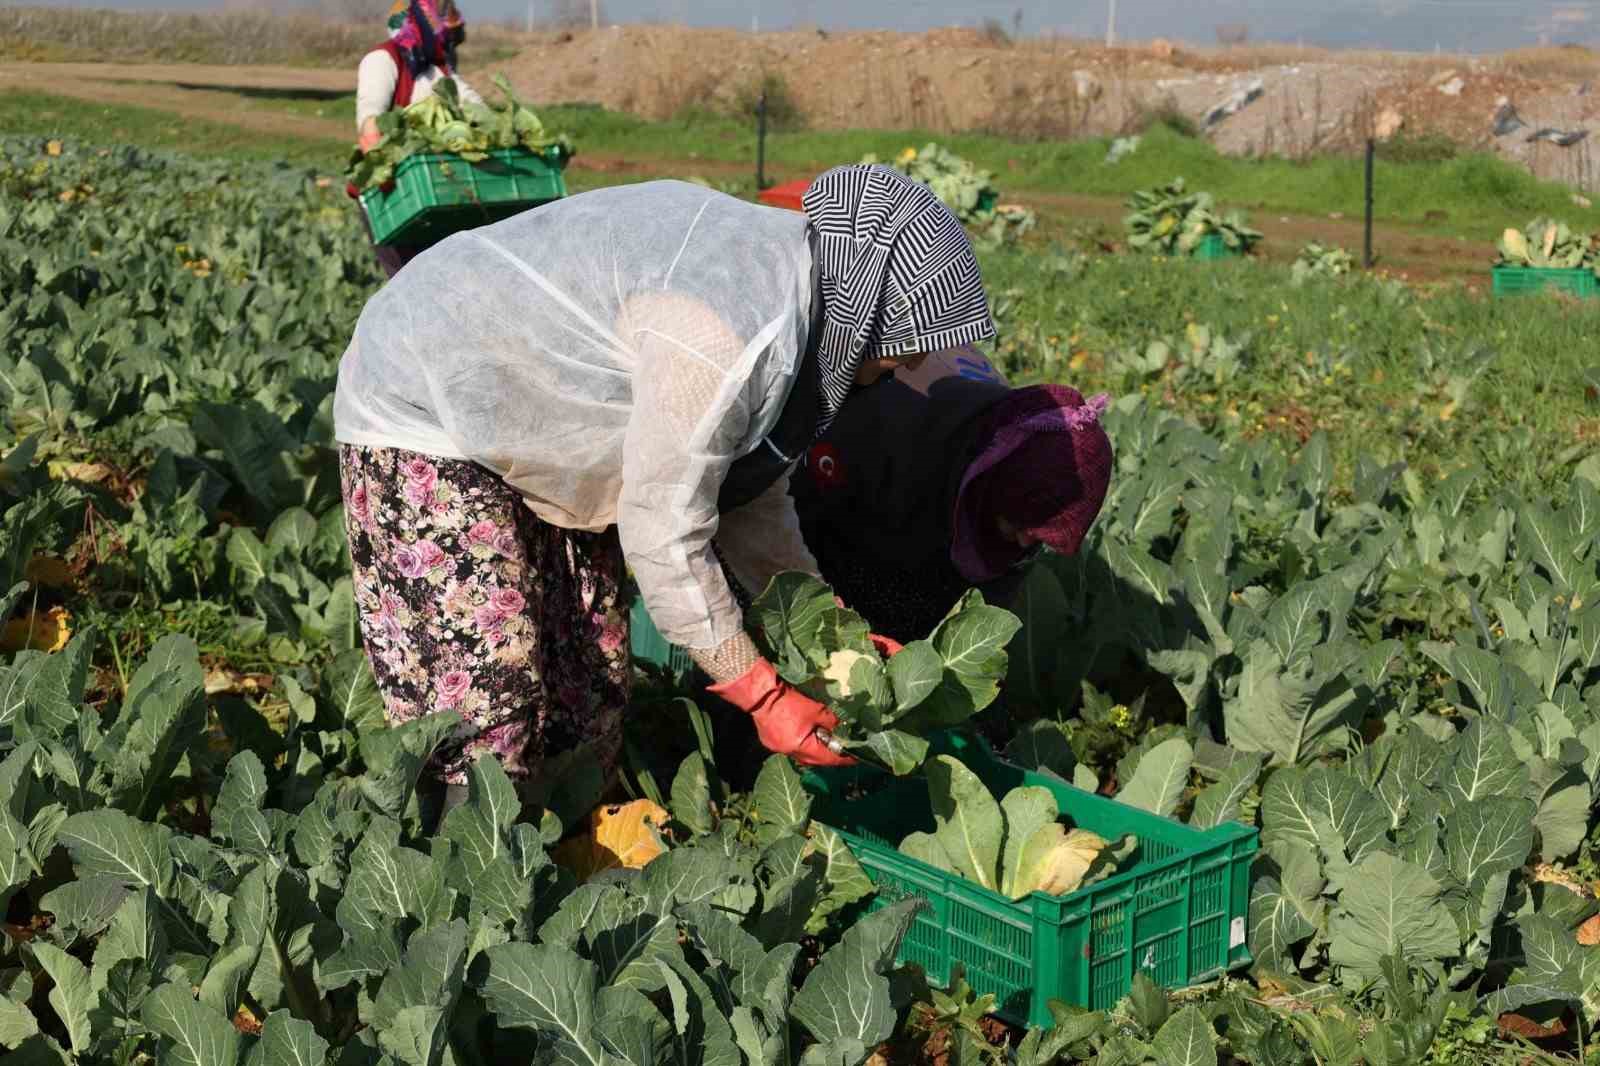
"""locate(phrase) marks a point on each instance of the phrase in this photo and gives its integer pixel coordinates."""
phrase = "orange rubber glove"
(785, 718)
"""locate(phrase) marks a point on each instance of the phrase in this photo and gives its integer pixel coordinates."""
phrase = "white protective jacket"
(609, 355)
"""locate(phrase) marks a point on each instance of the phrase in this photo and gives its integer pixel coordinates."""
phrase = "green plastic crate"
(1177, 911)
(1212, 246)
(437, 194)
(648, 645)
(1514, 281)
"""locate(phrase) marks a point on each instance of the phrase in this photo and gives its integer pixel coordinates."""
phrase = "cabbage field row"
(211, 850)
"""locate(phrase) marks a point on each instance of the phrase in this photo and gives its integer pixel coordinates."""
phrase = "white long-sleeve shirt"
(377, 77)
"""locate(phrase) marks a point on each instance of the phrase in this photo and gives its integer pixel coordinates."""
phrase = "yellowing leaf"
(1055, 860)
(618, 836)
(40, 630)
(52, 147)
(91, 473)
(1447, 412)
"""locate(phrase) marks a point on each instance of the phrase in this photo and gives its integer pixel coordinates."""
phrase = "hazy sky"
(1411, 24)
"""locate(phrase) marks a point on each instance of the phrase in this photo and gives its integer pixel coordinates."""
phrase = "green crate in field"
(1212, 246)
(436, 194)
(649, 646)
(1177, 910)
(1514, 281)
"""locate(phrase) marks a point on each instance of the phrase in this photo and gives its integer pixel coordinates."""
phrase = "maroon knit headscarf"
(1043, 463)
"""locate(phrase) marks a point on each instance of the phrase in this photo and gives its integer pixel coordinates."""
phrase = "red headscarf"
(1043, 464)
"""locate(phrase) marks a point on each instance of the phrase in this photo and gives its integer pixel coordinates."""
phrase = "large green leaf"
(691, 794)
(1160, 778)
(1548, 541)
(548, 989)
(1297, 621)
(1410, 768)
(692, 875)
(1390, 905)
(84, 907)
(969, 825)
(1186, 1040)
(1042, 609)
(237, 816)
(388, 879)
(790, 615)
(73, 994)
(293, 532)
(847, 996)
(1553, 956)
(1277, 921)
(371, 947)
(914, 674)
(1301, 807)
(1042, 745)
(1220, 801)
(899, 752)
(418, 996)
(844, 880)
(352, 693)
(1484, 763)
(1487, 836)
(1026, 810)
(136, 932)
(252, 561)
(55, 693)
(166, 716)
(1563, 816)
(972, 643)
(778, 803)
(117, 845)
(192, 1034)
(17, 1023)
(1285, 712)
(630, 1027)
(702, 1036)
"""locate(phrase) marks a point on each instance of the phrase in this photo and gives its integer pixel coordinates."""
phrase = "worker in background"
(421, 49)
(943, 478)
(622, 379)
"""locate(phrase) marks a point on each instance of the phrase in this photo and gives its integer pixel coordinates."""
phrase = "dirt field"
(1308, 100)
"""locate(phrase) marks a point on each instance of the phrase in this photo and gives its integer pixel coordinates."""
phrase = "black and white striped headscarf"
(897, 271)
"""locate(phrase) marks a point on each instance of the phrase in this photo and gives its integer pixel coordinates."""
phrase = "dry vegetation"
(337, 37)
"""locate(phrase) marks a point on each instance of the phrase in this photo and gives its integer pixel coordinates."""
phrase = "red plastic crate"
(786, 195)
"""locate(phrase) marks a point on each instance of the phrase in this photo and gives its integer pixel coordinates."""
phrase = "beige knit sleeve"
(376, 78)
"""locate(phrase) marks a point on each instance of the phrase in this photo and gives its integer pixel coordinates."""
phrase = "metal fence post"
(761, 141)
(1372, 151)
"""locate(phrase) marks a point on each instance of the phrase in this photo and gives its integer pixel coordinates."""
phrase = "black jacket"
(876, 498)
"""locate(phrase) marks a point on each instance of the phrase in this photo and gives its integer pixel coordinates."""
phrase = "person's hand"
(887, 647)
(786, 719)
(369, 138)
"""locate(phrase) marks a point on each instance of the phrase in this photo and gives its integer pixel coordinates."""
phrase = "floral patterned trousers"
(469, 603)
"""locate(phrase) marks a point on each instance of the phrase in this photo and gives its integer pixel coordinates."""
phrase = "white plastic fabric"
(609, 355)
